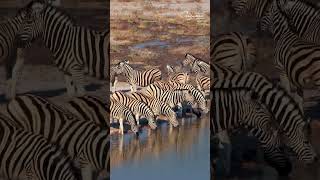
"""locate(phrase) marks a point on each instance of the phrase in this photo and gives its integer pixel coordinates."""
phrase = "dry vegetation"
(158, 22)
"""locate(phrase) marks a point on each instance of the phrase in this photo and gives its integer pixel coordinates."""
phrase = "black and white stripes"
(76, 50)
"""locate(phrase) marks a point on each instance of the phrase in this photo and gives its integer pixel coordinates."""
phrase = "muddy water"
(167, 153)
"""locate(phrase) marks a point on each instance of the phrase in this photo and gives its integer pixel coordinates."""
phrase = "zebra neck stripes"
(77, 138)
(26, 155)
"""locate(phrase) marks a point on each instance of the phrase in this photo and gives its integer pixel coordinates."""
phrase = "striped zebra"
(199, 97)
(85, 141)
(236, 108)
(234, 50)
(203, 82)
(122, 113)
(140, 78)
(25, 155)
(137, 107)
(158, 107)
(91, 108)
(303, 18)
(76, 50)
(172, 98)
(257, 8)
(113, 78)
(197, 65)
(12, 49)
(175, 76)
(282, 106)
(296, 58)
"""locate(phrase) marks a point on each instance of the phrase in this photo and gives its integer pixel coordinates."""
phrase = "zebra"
(87, 143)
(25, 155)
(76, 50)
(121, 112)
(236, 108)
(134, 77)
(158, 107)
(196, 64)
(297, 59)
(302, 18)
(282, 106)
(203, 82)
(176, 76)
(11, 46)
(137, 107)
(91, 108)
(172, 98)
(257, 8)
(113, 78)
(199, 96)
(235, 50)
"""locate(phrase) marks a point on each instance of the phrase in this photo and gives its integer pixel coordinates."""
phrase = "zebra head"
(32, 25)
(188, 60)
(121, 67)
(239, 7)
(303, 148)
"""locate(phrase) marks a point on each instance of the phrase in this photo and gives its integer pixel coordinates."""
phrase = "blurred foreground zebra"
(236, 108)
(90, 108)
(9, 54)
(134, 77)
(85, 141)
(297, 59)
(284, 109)
(76, 50)
(234, 50)
(25, 155)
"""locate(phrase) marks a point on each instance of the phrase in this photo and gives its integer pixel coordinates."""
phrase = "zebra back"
(85, 141)
(27, 155)
(141, 78)
(137, 107)
(234, 50)
(90, 108)
(257, 8)
(158, 107)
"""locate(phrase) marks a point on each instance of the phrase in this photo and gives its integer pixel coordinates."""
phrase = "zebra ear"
(189, 56)
(169, 69)
(37, 7)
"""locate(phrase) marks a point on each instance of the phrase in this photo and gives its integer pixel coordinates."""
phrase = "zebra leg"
(224, 138)
(121, 125)
(78, 77)
(137, 119)
(71, 89)
(16, 73)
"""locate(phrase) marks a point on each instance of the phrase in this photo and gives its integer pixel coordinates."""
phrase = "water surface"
(167, 153)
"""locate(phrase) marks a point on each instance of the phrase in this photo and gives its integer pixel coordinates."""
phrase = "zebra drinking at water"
(137, 107)
(76, 49)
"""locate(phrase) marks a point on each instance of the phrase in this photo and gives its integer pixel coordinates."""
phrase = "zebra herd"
(158, 96)
(272, 112)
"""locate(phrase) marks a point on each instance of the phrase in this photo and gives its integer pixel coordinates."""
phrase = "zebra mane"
(308, 3)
